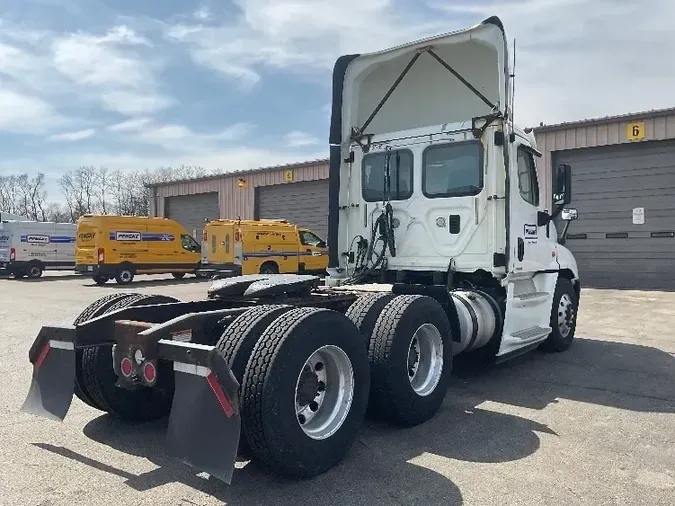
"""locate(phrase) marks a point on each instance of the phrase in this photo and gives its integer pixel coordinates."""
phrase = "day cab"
(235, 247)
(121, 247)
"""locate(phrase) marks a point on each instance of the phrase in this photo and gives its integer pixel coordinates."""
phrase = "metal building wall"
(659, 125)
(234, 201)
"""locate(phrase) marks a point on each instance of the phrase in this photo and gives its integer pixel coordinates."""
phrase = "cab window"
(527, 177)
(309, 239)
(453, 170)
(400, 176)
(189, 243)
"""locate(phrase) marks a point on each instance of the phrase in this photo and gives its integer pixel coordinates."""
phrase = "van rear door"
(87, 239)
(5, 243)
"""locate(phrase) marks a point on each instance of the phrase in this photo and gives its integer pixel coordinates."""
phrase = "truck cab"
(433, 184)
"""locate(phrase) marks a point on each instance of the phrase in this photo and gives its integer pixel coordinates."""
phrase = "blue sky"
(237, 84)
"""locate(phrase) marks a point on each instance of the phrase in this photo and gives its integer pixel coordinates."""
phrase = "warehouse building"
(623, 187)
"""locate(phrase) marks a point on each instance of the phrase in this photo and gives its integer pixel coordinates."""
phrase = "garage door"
(305, 204)
(614, 248)
(190, 210)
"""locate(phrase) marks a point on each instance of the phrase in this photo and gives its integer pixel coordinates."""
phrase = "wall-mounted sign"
(638, 216)
(635, 131)
(288, 176)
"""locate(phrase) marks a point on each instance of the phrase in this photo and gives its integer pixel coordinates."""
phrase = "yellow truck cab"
(235, 247)
(122, 246)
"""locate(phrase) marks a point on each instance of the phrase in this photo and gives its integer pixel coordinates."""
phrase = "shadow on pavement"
(391, 466)
(142, 283)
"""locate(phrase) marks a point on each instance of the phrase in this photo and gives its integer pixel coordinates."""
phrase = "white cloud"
(177, 138)
(73, 136)
(297, 34)
(575, 58)
(134, 102)
(20, 113)
(129, 125)
(297, 138)
(578, 59)
(99, 61)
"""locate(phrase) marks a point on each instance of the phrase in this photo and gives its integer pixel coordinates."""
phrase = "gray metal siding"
(190, 210)
(305, 204)
(607, 184)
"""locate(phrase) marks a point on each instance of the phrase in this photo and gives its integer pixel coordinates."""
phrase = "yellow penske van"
(121, 247)
(235, 247)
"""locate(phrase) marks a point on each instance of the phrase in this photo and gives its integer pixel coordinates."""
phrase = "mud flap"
(53, 382)
(205, 422)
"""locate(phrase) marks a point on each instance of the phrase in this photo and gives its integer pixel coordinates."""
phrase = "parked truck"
(440, 243)
(28, 248)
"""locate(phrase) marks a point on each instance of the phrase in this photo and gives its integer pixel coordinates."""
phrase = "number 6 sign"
(635, 131)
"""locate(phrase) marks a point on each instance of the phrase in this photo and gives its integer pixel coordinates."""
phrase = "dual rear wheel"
(308, 376)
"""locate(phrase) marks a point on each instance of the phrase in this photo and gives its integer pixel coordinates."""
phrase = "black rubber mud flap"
(53, 359)
(205, 421)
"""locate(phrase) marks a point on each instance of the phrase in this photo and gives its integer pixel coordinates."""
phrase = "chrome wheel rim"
(324, 392)
(425, 359)
(125, 275)
(566, 315)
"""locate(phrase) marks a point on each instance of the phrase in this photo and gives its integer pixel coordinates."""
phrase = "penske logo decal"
(46, 239)
(129, 236)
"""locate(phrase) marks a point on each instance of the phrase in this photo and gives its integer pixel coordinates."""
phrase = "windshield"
(453, 170)
(401, 180)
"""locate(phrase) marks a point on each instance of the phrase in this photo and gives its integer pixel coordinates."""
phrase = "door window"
(309, 239)
(527, 177)
(189, 243)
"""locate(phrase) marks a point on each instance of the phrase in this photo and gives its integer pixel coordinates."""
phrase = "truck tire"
(269, 268)
(314, 357)
(410, 355)
(34, 270)
(178, 275)
(93, 310)
(563, 317)
(99, 378)
(238, 340)
(124, 274)
(100, 280)
(365, 310)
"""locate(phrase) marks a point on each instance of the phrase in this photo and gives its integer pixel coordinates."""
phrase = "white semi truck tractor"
(441, 243)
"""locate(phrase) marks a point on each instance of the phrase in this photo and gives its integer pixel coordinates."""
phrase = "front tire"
(305, 392)
(563, 317)
(178, 275)
(410, 354)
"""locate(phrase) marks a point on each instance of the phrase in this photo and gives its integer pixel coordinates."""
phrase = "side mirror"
(562, 185)
(569, 214)
(322, 244)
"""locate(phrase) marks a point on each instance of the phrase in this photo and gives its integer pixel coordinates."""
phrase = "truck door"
(531, 249)
(313, 251)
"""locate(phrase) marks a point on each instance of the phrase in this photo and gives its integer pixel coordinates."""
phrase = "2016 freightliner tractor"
(440, 244)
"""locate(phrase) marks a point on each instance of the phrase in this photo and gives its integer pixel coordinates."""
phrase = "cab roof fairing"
(428, 94)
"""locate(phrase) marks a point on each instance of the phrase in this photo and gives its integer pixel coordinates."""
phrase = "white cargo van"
(27, 248)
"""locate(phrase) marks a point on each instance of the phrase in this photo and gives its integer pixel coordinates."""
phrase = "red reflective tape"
(42, 356)
(220, 395)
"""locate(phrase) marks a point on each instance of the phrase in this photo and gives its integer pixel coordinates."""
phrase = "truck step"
(532, 333)
(532, 296)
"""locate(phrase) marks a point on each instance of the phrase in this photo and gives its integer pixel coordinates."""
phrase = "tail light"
(237, 236)
(12, 255)
(101, 255)
(204, 236)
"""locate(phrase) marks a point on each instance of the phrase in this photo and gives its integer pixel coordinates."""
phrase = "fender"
(566, 260)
